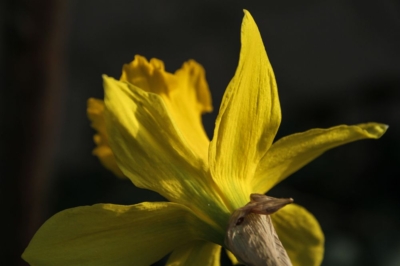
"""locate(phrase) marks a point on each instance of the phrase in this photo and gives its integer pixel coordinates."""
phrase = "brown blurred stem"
(32, 40)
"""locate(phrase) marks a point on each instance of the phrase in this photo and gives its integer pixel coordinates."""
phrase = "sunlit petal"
(151, 152)
(291, 153)
(106, 234)
(300, 234)
(248, 118)
(196, 253)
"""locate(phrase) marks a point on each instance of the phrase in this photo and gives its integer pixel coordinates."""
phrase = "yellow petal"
(196, 253)
(185, 94)
(300, 234)
(232, 258)
(291, 153)
(95, 111)
(151, 152)
(248, 118)
(106, 234)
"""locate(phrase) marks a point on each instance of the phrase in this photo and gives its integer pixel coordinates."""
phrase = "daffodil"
(150, 131)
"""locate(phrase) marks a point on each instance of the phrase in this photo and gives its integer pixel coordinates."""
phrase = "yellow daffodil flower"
(150, 131)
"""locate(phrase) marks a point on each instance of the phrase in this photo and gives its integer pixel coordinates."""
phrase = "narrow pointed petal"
(248, 119)
(152, 153)
(300, 235)
(106, 234)
(95, 111)
(291, 153)
(185, 94)
(196, 253)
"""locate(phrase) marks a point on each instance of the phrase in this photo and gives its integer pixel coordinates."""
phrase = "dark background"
(336, 62)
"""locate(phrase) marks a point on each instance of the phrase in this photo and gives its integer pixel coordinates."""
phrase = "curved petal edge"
(292, 152)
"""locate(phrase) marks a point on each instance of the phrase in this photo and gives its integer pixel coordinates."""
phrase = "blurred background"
(336, 62)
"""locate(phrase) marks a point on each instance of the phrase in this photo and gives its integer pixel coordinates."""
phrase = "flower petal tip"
(247, 18)
(374, 130)
(106, 78)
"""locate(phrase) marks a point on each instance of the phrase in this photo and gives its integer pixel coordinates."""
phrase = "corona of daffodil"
(150, 131)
